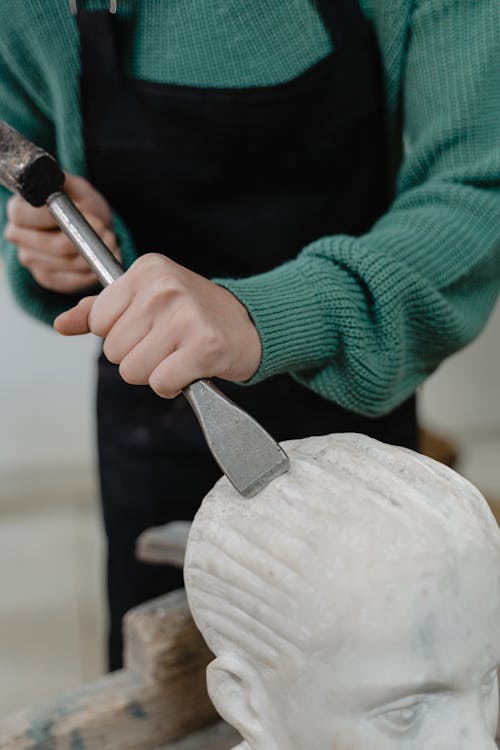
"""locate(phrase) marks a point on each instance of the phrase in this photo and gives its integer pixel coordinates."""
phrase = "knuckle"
(23, 254)
(161, 388)
(162, 289)
(10, 233)
(108, 348)
(150, 263)
(13, 208)
(211, 346)
(24, 257)
(80, 265)
(97, 328)
(159, 287)
(66, 284)
(130, 374)
(45, 279)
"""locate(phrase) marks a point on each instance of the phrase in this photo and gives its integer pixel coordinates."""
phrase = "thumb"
(75, 321)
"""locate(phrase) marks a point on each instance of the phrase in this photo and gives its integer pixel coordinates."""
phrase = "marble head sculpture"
(353, 605)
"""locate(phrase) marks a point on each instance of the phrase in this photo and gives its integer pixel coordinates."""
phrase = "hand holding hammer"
(45, 251)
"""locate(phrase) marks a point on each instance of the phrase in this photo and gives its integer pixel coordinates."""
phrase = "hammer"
(245, 452)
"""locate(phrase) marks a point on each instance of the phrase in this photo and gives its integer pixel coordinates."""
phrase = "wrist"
(289, 315)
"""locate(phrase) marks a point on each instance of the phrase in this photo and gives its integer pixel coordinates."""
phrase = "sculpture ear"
(235, 691)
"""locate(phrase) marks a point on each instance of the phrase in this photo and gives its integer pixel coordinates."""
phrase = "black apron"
(228, 182)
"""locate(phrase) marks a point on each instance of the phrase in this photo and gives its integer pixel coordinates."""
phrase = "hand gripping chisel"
(245, 452)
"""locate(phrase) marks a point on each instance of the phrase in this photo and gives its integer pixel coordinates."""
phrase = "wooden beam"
(220, 736)
(164, 545)
(160, 696)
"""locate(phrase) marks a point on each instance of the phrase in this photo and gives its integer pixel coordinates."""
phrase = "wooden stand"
(158, 701)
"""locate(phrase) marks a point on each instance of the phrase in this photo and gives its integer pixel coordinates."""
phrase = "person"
(247, 162)
(354, 603)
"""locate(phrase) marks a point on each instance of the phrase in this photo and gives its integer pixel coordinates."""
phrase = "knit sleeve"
(23, 104)
(363, 321)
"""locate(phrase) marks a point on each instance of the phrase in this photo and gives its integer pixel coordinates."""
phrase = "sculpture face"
(417, 669)
(353, 605)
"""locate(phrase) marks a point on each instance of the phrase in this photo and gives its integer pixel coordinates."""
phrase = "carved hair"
(247, 559)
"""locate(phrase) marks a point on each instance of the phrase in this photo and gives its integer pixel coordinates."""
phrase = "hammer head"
(27, 169)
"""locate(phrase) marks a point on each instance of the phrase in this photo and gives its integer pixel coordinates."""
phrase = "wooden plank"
(438, 447)
(164, 545)
(219, 736)
(159, 698)
(161, 641)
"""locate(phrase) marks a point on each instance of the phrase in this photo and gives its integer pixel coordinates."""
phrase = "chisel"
(245, 452)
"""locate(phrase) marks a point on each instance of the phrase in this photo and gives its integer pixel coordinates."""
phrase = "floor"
(51, 553)
(51, 613)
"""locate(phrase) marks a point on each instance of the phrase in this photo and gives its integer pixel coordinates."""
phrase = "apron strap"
(99, 50)
(342, 18)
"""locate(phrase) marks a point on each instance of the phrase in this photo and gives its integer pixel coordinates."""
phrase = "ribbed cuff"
(125, 241)
(289, 316)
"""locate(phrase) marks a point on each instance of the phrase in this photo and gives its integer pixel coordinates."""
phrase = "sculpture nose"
(473, 736)
(468, 724)
(468, 738)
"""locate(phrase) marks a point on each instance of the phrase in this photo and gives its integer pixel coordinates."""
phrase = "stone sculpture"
(352, 605)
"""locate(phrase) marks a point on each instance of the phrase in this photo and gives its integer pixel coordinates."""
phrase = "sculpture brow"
(400, 692)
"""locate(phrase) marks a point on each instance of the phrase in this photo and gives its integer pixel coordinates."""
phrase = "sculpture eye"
(401, 718)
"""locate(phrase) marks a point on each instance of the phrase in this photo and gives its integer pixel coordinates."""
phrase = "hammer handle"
(84, 238)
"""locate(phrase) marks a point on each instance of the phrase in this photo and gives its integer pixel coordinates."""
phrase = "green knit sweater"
(360, 320)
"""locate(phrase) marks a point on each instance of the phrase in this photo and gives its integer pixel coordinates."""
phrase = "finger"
(137, 367)
(48, 242)
(74, 322)
(176, 372)
(130, 329)
(54, 243)
(110, 306)
(20, 212)
(63, 282)
(84, 194)
(33, 259)
(77, 187)
(80, 190)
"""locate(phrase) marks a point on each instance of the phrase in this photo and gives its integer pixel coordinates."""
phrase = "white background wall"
(46, 386)
(463, 396)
